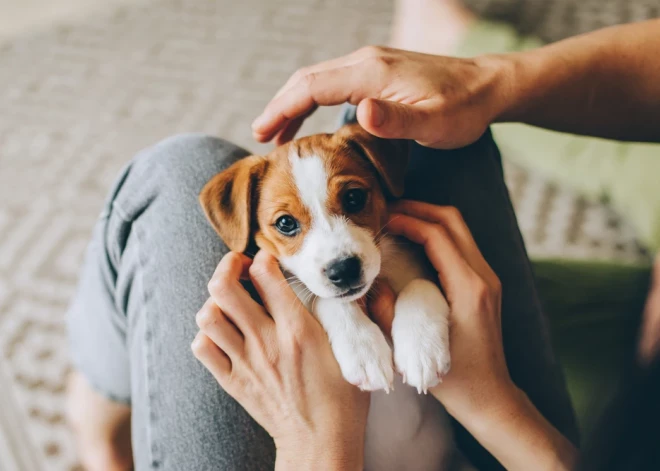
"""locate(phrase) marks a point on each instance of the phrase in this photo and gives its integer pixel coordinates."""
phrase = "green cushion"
(625, 174)
(594, 310)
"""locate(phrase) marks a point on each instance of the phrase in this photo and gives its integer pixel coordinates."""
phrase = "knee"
(172, 173)
(187, 160)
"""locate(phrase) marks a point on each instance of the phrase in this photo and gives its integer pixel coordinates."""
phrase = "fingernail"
(377, 114)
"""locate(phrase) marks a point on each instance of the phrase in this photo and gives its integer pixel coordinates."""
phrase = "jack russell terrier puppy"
(319, 204)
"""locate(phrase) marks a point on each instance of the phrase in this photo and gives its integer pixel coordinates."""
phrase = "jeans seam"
(145, 351)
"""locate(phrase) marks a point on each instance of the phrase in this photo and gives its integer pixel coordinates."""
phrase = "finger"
(213, 323)
(278, 297)
(213, 359)
(343, 61)
(291, 128)
(448, 216)
(453, 270)
(380, 305)
(393, 120)
(452, 220)
(325, 65)
(324, 88)
(232, 298)
(233, 264)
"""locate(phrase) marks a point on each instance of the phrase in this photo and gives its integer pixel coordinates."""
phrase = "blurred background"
(85, 84)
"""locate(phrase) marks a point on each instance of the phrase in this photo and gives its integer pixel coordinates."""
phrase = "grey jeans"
(152, 253)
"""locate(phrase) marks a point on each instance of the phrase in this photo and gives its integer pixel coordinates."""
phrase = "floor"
(20, 17)
(87, 83)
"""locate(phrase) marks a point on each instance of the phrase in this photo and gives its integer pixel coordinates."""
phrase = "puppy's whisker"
(384, 226)
(313, 303)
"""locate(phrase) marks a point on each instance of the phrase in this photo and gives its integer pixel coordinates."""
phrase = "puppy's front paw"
(420, 334)
(365, 358)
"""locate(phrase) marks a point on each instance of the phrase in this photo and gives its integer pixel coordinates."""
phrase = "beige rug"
(78, 101)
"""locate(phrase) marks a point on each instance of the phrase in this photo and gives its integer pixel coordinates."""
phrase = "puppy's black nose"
(344, 273)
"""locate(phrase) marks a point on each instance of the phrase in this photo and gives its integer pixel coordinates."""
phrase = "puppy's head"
(318, 204)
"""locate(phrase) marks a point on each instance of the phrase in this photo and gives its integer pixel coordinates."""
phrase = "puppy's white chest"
(406, 430)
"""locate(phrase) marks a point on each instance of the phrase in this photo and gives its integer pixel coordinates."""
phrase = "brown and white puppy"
(319, 204)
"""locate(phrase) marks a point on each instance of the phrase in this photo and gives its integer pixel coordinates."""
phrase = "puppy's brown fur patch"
(352, 158)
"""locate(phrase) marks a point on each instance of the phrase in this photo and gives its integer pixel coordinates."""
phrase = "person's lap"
(145, 277)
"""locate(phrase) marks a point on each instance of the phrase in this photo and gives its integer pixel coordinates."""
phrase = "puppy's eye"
(354, 200)
(287, 226)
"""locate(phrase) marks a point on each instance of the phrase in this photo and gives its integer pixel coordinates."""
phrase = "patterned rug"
(78, 101)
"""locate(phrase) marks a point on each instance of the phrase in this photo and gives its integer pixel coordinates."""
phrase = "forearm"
(605, 84)
(511, 428)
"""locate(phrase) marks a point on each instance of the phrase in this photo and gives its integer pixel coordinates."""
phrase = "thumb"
(274, 291)
(392, 120)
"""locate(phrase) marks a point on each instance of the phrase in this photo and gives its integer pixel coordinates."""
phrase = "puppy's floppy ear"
(229, 200)
(389, 156)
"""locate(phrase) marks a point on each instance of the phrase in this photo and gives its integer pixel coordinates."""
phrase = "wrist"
(330, 453)
(502, 71)
(475, 409)
(513, 419)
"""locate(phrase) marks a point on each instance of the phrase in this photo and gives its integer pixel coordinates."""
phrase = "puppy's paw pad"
(366, 360)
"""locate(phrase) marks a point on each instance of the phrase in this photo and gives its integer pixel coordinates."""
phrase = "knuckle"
(299, 73)
(484, 296)
(220, 285)
(259, 269)
(379, 63)
(232, 258)
(201, 346)
(373, 50)
(205, 318)
(481, 289)
(453, 214)
(438, 231)
(309, 80)
(496, 286)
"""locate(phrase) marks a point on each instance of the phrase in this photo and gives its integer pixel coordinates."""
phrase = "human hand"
(478, 390)
(478, 374)
(438, 101)
(280, 367)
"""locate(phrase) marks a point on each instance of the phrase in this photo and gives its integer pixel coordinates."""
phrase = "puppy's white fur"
(330, 236)
(406, 430)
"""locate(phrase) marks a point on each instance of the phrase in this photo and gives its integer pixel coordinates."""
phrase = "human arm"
(276, 361)
(593, 84)
(605, 83)
(478, 390)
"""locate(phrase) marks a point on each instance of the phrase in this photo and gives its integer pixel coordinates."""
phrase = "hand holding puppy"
(280, 367)
(478, 390)
(473, 291)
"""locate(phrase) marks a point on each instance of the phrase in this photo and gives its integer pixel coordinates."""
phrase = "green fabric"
(594, 311)
(625, 174)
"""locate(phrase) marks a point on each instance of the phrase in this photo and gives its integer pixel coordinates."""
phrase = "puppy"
(319, 204)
